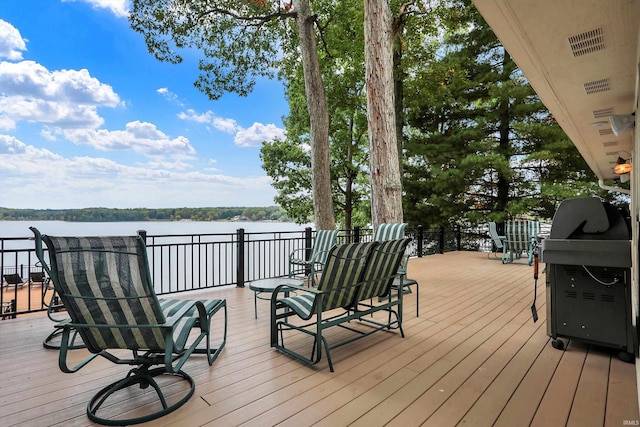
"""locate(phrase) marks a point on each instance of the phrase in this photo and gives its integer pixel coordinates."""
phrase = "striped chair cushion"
(517, 235)
(105, 281)
(324, 240)
(302, 305)
(172, 306)
(534, 229)
(493, 233)
(382, 268)
(389, 232)
(343, 270)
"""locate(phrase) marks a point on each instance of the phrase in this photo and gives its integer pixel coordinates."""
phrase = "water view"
(64, 228)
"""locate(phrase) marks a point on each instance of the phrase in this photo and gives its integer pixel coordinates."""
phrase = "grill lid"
(589, 218)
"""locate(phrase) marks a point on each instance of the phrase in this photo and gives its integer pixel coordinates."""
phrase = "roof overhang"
(582, 58)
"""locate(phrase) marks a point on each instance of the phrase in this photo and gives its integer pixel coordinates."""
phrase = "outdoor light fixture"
(622, 166)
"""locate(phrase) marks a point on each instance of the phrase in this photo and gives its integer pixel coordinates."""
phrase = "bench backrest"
(389, 231)
(324, 240)
(382, 268)
(520, 234)
(342, 272)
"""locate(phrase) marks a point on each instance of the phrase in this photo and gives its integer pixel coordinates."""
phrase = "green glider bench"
(355, 275)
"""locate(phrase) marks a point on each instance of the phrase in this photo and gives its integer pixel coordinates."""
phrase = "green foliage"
(288, 162)
(272, 213)
(289, 165)
(480, 144)
(237, 41)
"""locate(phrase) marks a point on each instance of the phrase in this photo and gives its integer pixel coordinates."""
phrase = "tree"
(240, 40)
(318, 118)
(481, 145)
(386, 185)
(287, 162)
(342, 65)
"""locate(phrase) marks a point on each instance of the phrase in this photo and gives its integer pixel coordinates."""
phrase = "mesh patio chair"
(519, 239)
(389, 232)
(323, 242)
(14, 280)
(37, 278)
(496, 239)
(392, 232)
(105, 286)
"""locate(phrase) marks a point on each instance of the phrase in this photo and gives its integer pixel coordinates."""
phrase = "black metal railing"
(186, 262)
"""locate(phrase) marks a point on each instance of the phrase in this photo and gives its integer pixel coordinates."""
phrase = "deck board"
(473, 357)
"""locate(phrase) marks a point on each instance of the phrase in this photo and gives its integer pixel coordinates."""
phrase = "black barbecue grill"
(588, 274)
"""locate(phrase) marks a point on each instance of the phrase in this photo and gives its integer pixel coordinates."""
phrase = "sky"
(89, 118)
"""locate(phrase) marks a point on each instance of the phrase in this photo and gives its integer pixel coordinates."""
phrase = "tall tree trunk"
(318, 118)
(504, 147)
(349, 181)
(386, 186)
(398, 88)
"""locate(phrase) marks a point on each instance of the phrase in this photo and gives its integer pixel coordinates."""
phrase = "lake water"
(175, 259)
(64, 228)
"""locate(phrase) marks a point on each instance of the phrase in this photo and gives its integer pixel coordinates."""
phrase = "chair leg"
(144, 378)
(49, 344)
(417, 300)
(212, 354)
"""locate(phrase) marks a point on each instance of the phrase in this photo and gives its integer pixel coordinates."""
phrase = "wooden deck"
(473, 357)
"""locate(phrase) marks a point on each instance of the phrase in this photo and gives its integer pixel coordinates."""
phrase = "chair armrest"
(288, 287)
(175, 317)
(293, 253)
(315, 256)
(402, 269)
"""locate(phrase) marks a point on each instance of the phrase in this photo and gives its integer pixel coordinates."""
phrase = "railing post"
(356, 234)
(441, 239)
(240, 258)
(307, 247)
(420, 240)
(143, 235)
(458, 238)
(308, 235)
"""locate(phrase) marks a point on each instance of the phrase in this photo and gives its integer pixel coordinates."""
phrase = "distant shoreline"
(220, 214)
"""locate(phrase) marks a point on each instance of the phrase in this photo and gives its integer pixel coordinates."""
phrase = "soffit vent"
(587, 42)
(603, 132)
(610, 143)
(605, 112)
(597, 86)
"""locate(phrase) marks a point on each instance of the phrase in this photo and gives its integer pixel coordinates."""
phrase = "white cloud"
(119, 8)
(170, 96)
(253, 136)
(258, 133)
(192, 116)
(11, 42)
(93, 181)
(226, 125)
(47, 134)
(140, 137)
(11, 145)
(220, 123)
(64, 98)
